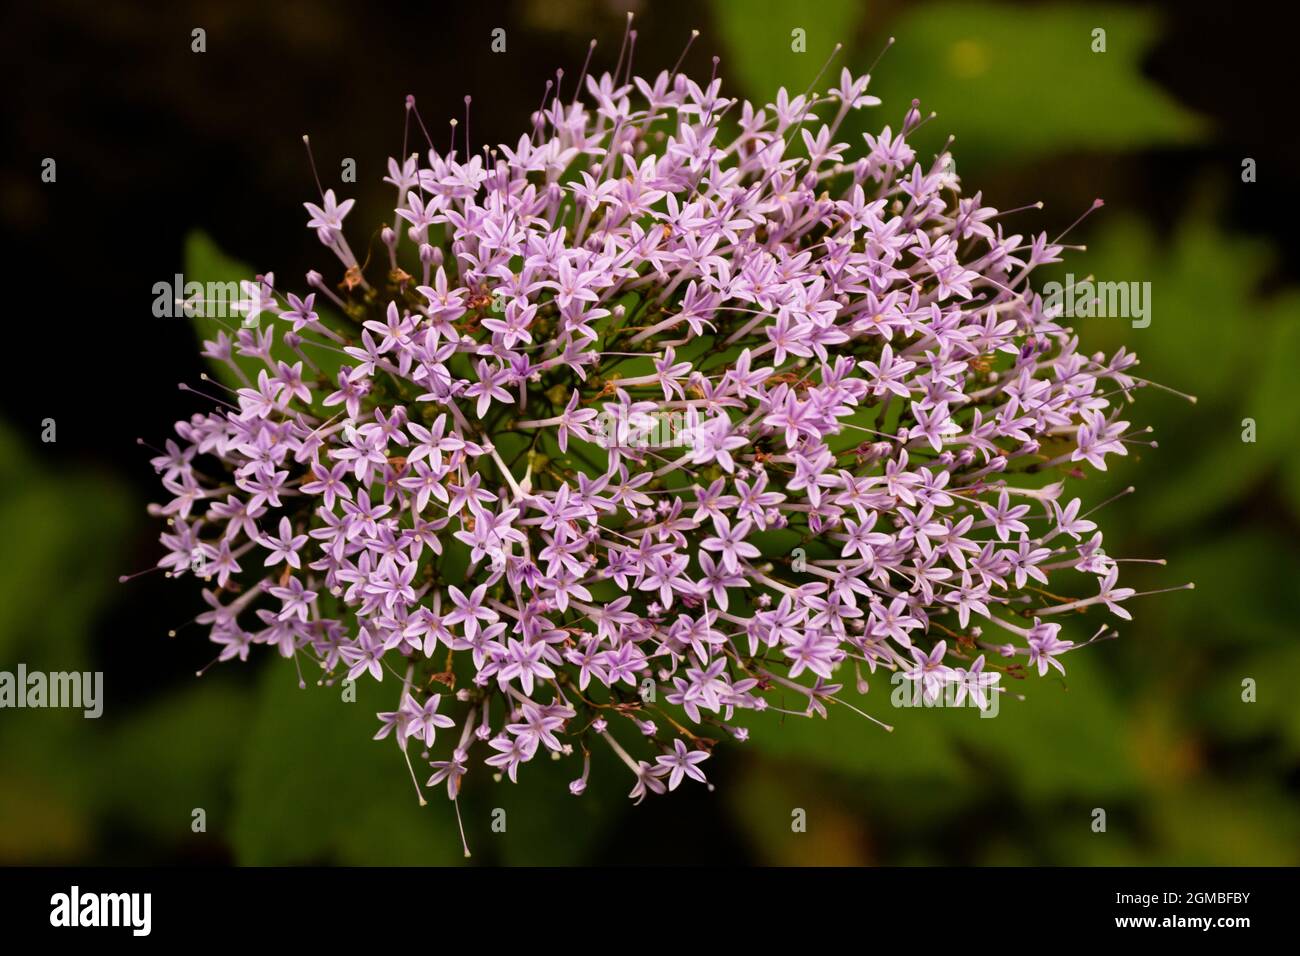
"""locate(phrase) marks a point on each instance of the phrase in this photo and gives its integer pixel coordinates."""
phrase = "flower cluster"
(440, 478)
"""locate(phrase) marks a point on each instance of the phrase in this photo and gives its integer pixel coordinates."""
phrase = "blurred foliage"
(1009, 80)
(759, 41)
(1006, 79)
(1203, 286)
(313, 787)
(1152, 727)
(57, 533)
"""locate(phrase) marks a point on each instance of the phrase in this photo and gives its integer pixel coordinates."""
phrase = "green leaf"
(174, 755)
(1255, 568)
(1209, 826)
(206, 263)
(1014, 81)
(769, 802)
(1203, 288)
(758, 35)
(847, 743)
(1290, 481)
(314, 787)
(58, 527)
(1057, 741)
(546, 825)
(60, 549)
(1066, 739)
(1271, 397)
(1275, 670)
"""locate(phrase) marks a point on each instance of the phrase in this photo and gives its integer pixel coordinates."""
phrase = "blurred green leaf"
(1243, 598)
(1213, 826)
(173, 755)
(848, 744)
(769, 801)
(1062, 740)
(58, 535)
(1271, 398)
(204, 263)
(1275, 671)
(758, 36)
(1057, 741)
(1290, 480)
(314, 787)
(54, 527)
(1204, 288)
(1272, 403)
(546, 825)
(1013, 81)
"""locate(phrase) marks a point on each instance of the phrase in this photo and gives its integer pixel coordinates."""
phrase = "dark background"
(154, 141)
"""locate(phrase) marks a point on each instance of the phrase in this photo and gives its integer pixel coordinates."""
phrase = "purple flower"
(1044, 645)
(730, 543)
(285, 547)
(975, 682)
(666, 425)
(424, 719)
(329, 219)
(930, 670)
(469, 609)
(682, 763)
(526, 663)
